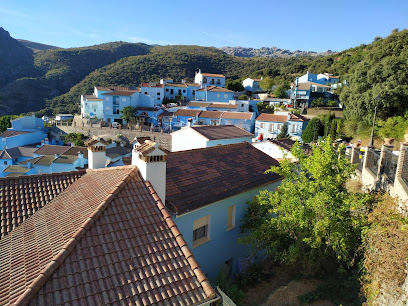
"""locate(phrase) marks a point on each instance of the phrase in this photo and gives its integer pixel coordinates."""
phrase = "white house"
(321, 78)
(251, 84)
(280, 148)
(195, 137)
(154, 90)
(209, 79)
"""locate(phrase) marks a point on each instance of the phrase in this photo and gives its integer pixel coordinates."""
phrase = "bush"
(317, 102)
(76, 138)
(229, 287)
(331, 103)
(243, 97)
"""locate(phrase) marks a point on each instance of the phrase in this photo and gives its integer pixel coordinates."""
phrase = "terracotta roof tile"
(117, 151)
(215, 88)
(199, 104)
(287, 144)
(44, 160)
(75, 150)
(16, 169)
(272, 118)
(223, 105)
(165, 114)
(237, 115)
(114, 88)
(103, 240)
(21, 197)
(196, 178)
(146, 108)
(213, 75)
(216, 132)
(187, 112)
(175, 84)
(210, 114)
(120, 93)
(51, 150)
(297, 117)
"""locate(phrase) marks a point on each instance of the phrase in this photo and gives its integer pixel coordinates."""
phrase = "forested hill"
(271, 52)
(36, 46)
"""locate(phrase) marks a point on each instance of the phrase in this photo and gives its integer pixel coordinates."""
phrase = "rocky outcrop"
(271, 52)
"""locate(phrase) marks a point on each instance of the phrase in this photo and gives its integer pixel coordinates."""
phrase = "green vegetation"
(311, 218)
(5, 122)
(235, 85)
(243, 97)
(284, 131)
(76, 138)
(128, 113)
(313, 130)
(280, 93)
(267, 83)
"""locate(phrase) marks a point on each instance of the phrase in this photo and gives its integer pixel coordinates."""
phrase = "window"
(179, 91)
(123, 99)
(231, 218)
(193, 92)
(145, 92)
(242, 105)
(262, 125)
(212, 81)
(5, 162)
(279, 126)
(271, 127)
(158, 93)
(171, 91)
(293, 128)
(201, 231)
(167, 90)
(184, 90)
(225, 96)
(218, 95)
(107, 108)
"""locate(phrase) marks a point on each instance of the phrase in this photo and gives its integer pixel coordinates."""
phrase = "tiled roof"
(215, 88)
(74, 151)
(51, 150)
(237, 115)
(152, 86)
(145, 148)
(272, 118)
(196, 178)
(165, 114)
(297, 117)
(92, 97)
(213, 75)
(66, 159)
(16, 169)
(12, 133)
(27, 151)
(120, 93)
(287, 144)
(210, 114)
(199, 104)
(5, 155)
(223, 105)
(106, 239)
(117, 151)
(174, 84)
(216, 132)
(21, 197)
(44, 160)
(94, 140)
(187, 112)
(302, 86)
(192, 84)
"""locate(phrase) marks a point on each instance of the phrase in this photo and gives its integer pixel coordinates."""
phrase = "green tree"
(267, 83)
(260, 106)
(5, 122)
(331, 103)
(318, 102)
(76, 138)
(311, 217)
(243, 97)
(313, 129)
(235, 85)
(128, 113)
(280, 93)
(284, 131)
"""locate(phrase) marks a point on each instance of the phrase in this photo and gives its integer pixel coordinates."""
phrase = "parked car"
(115, 125)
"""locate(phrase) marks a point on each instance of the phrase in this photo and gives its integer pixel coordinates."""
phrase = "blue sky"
(304, 25)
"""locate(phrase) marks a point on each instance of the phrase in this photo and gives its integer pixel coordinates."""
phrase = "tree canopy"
(311, 216)
(128, 113)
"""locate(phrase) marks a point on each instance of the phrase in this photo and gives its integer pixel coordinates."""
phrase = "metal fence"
(373, 166)
(390, 166)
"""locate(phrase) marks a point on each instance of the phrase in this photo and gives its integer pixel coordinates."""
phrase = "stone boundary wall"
(162, 139)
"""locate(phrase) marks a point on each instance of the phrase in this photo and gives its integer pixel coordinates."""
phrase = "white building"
(209, 79)
(251, 84)
(154, 90)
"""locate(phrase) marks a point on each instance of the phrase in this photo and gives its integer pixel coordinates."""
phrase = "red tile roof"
(210, 114)
(187, 112)
(272, 118)
(297, 117)
(114, 88)
(21, 197)
(106, 239)
(153, 86)
(237, 115)
(196, 178)
(120, 93)
(75, 150)
(165, 114)
(217, 132)
(213, 75)
(199, 104)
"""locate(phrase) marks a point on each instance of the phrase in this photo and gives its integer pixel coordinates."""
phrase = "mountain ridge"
(271, 52)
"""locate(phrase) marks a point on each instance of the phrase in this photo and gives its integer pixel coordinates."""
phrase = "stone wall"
(162, 139)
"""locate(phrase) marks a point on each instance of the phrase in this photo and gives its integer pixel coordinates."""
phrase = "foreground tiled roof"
(217, 132)
(75, 150)
(117, 151)
(11, 133)
(45, 160)
(272, 118)
(16, 169)
(51, 150)
(287, 144)
(66, 159)
(92, 97)
(106, 239)
(199, 104)
(196, 178)
(21, 197)
(213, 75)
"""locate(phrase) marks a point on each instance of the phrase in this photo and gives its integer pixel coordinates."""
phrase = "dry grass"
(316, 111)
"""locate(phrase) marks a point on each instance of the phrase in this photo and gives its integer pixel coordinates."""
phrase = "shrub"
(243, 97)
(331, 103)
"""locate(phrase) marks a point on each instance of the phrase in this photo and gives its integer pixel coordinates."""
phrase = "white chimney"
(96, 153)
(151, 163)
(189, 120)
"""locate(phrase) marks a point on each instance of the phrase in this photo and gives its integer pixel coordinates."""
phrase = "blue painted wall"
(223, 244)
(214, 96)
(22, 139)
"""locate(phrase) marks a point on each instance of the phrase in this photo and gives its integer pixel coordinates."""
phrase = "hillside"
(50, 73)
(36, 46)
(271, 52)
